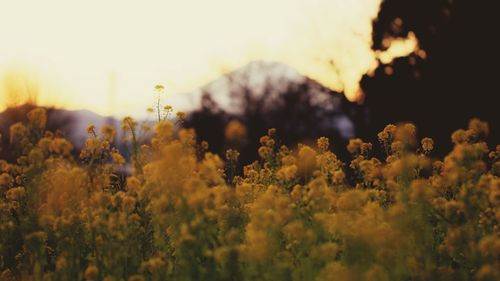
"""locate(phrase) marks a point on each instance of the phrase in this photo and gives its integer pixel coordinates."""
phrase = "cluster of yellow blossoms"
(174, 211)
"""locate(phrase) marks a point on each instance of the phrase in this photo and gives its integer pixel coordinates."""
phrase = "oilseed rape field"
(172, 210)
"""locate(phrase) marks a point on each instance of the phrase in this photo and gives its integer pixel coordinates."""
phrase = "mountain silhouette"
(71, 124)
(263, 95)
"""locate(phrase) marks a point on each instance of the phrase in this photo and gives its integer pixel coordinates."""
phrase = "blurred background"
(309, 68)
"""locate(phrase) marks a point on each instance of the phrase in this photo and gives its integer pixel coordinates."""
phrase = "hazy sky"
(76, 52)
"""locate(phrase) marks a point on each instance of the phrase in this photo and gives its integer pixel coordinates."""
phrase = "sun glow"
(107, 56)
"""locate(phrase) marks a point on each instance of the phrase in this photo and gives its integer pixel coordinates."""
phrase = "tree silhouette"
(455, 80)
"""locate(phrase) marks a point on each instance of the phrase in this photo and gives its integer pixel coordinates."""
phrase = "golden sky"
(75, 53)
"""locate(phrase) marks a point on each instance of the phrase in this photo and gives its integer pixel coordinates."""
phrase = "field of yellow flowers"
(183, 213)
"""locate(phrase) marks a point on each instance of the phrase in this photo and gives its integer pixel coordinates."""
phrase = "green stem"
(158, 108)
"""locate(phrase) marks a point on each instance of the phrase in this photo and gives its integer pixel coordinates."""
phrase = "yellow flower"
(232, 155)
(17, 132)
(15, 193)
(420, 190)
(38, 118)
(187, 137)
(494, 195)
(487, 272)
(6, 179)
(338, 176)
(264, 152)
(354, 146)
(479, 128)
(117, 158)
(129, 204)
(351, 200)
(460, 136)
(358, 147)
(338, 270)
(269, 211)
(204, 145)
(164, 130)
(235, 131)
(377, 273)
(159, 88)
(91, 273)
(326, 251)
(397, 147)
(91, 129)
(136, 277)
(61, 263)
(44, 144)
(406, 133)
(61, 146)
(306, 160)
(128, 123)
(323, 143)
(294, 230)
(264, 140)
(454, 210)
(221, 254)
(489, 246)
(108, 132)
(427, 144)
(211, 168)
(287, 173)
(133, 184)
(288, 160)
(294, 210)
(62, 189)
(387, 135)
(181, 115)
(296, 193)
(271, 132)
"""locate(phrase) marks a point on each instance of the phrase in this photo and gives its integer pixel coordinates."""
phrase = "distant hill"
(72, 123)
(264, 95)
(82, 119)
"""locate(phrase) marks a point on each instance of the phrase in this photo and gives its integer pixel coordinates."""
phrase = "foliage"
(183, 214)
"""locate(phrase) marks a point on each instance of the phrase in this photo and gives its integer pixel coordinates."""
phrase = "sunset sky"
(106, 56)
